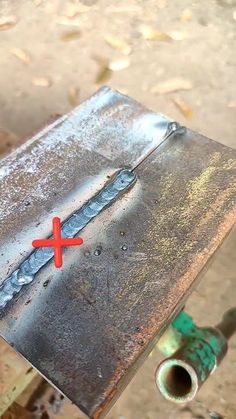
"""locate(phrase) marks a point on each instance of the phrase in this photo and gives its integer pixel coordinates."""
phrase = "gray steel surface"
(87, 326)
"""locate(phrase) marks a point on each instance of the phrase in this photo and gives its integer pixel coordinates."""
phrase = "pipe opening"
(177, 381)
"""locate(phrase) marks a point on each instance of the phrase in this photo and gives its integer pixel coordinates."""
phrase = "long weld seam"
(72, 226)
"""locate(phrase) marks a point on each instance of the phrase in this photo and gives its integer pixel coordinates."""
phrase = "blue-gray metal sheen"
(39, 257)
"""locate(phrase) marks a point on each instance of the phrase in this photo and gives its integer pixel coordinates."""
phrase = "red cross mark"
(57, 242)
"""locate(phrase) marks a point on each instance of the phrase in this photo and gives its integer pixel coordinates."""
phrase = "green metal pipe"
(193, 354)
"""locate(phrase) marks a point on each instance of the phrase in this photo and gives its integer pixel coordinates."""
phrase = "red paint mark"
(57, 242)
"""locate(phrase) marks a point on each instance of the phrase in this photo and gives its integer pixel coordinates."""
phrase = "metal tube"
(180, 376)
(177, 380)
(228, 324)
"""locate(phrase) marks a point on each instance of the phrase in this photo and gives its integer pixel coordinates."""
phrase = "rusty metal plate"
(87, 326)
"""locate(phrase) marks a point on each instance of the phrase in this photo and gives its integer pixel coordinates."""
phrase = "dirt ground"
(54, 54)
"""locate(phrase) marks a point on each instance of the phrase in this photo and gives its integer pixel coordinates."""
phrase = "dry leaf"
(184, 107)
(21, 55)
(104, 72)
(65, 21)
(186, 15)
(118, 65)
(172, 85)
(119, 44)
(153, 35)
(73, 96)
(42, 81)
(73, 9)
(177, 35)
(7, 22)
(71, 35)
(232, 104)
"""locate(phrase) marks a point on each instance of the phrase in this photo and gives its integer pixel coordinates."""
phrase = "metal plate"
(77, 152)
(86, 326)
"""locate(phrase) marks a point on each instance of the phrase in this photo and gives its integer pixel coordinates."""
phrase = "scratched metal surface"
(87, 326)
(37, 181)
